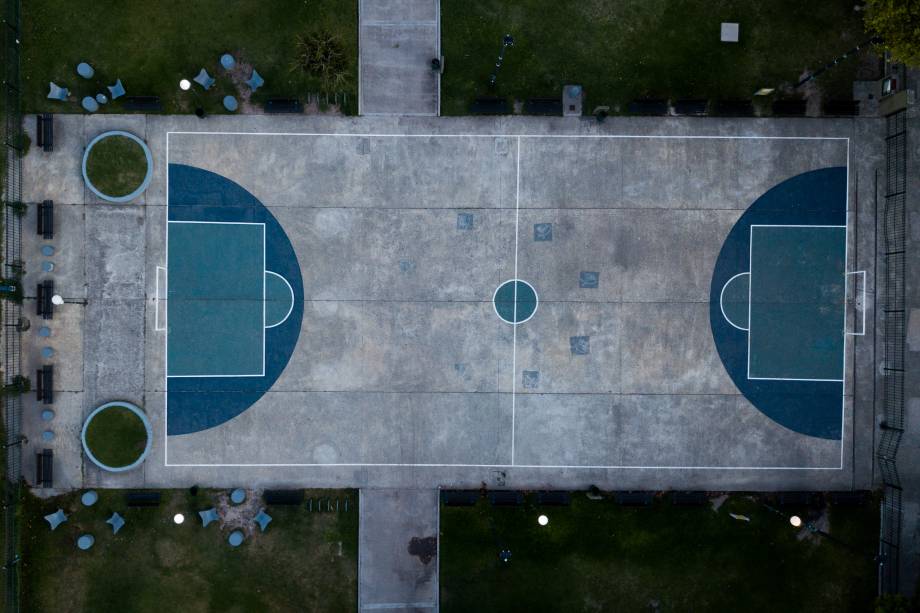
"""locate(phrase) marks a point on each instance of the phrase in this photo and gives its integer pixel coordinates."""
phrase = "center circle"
(515, 301)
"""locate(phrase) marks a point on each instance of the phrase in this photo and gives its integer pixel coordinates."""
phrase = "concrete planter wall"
(144, 184)
(134, 409)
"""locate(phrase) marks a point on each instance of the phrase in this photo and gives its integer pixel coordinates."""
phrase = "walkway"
(398, 550)
(397, 39)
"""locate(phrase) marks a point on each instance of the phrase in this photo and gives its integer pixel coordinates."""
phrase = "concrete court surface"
(420, 395)
(397, 40)
(398, 550)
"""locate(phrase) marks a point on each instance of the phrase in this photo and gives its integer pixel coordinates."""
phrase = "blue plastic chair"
(204, 79)
(208, 516)
(227, 61)
(56, 519)
(255, 81)
(85, 70)
(116, 521)
(56, 92)
(117, 90)
(263, 519)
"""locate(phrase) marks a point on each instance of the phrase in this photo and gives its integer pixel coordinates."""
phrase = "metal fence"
(10, 208)
(892, 428)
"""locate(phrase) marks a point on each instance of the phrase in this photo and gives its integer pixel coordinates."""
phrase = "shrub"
(322, 55)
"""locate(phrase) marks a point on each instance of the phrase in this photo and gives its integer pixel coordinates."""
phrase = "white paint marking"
(722, 295)
(290, 308)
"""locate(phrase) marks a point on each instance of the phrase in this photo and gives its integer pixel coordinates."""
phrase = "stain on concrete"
(424, 548)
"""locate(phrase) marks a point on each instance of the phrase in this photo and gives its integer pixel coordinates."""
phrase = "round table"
(47, 415)
(85, 70)
(44, 331)
(237, 496)
(89, 103)
(47, 251)
(89, 498)
(235, 538)
(47, 436)
(227, 61)
(85, 541)
(47, 352)
(47, 266)
(230, 103)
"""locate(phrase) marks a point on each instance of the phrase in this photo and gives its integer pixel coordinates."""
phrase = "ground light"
(543, 520)
(796, 521)
(178, 518)
(185, 85)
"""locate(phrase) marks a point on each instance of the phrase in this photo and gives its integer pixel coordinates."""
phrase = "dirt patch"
(424, 548)
(239, 516)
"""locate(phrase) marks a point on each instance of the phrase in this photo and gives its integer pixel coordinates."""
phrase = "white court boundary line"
(518, 137)
(863, 273)
(290, 308)
(846, 241)
(224, 223)
(722, 295)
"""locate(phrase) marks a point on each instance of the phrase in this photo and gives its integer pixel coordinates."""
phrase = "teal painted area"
(734, 301)
(798, 290)
(515, 301)
(278, 299)
(215, 309)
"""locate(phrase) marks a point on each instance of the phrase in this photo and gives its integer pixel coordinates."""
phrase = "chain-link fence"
(11, 203)
(893, 369)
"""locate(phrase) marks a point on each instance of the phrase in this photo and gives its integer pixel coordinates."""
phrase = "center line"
(517, 200)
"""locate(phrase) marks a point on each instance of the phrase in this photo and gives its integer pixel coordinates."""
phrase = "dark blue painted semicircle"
(198, 403)
(817, 197)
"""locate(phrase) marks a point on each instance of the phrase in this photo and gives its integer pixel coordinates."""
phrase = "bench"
(634, 499)
(648, 106)
(44, 131)
(796, 499)
(284, 105)
(142, 499)
(459, 498)
(43, 305)
(691, 107)
(543, 106)
(506, 498)
(143, 103)
(734, 108)
(789, 108)
(490, 106)
(46, 219)
(848, 499)
(44, 384)
(283, 497)
(554, 499)
(689, 499)
(842, 108)
(44, 468)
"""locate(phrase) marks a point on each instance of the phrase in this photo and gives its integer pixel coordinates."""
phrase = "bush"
(24, 144)
(322, 55)
(898, 23)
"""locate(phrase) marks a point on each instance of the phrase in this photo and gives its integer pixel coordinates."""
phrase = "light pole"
(507, 41)
(185, 85)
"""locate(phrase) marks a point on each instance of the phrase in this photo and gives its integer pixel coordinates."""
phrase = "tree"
(898, 23)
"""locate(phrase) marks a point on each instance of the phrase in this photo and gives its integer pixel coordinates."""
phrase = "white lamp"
(796, 521)
(543, 520)
(185, 85)
(178, 518)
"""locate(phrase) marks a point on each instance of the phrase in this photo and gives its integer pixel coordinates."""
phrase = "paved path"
(398, 550)
(397, 39)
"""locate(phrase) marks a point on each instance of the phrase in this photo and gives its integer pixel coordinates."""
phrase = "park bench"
(44, 468)
(691, 107)
(283, 497)
(44, 131)
(43, 304)
(506, 498)
(554, 498)
(634, 499)
(44, 384)
(648, 106)
(789, 108)
(143, 103)
(848, 499)
(689, 499)
(283, 105)
(543, 106)
(459, 498)
(46, 219)
(797, 499)
(841, 108)
(490, 106)
(142, 499)
(734, 108)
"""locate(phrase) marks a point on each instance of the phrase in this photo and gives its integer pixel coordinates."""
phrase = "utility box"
(572, 98)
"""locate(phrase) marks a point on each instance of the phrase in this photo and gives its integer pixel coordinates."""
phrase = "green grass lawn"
(151, 46)
(303, 562)
(629, 49)
(116, 166)
(598, 556)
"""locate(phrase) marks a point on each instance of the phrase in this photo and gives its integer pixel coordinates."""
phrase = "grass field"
(151, 46)
(116, 166)
(598, 556)
(620, 51)
(116, 436)
(303, 562)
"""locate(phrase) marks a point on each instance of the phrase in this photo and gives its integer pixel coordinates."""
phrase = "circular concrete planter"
(144, 184)
(134, 409)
